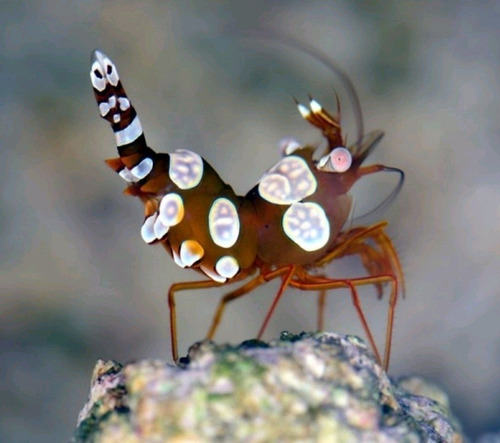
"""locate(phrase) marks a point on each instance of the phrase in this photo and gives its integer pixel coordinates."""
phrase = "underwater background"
(78, 283)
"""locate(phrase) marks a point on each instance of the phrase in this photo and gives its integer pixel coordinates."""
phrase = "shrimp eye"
(340, 159)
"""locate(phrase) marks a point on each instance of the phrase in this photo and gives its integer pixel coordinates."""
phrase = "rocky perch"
(309, 387)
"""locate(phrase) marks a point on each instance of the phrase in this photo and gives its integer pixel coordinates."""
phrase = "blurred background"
(77, 281)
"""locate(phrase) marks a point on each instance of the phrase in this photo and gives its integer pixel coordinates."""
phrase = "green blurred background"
(77, 281)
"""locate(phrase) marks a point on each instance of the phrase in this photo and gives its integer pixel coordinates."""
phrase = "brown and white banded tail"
(135, 161)
(114, 105)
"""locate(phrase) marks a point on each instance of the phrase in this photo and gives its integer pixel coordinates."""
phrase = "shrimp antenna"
(389, 199)
(272, 37)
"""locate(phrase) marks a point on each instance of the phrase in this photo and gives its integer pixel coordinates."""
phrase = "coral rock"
(307, 387)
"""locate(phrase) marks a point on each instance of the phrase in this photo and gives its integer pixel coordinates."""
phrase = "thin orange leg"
(386, 246)
(385, 242)
(246, 289)
(385, 258)
(356, 301)
(322, 284)
(321, 309)
(183, 286)
(378, 262)
(348, 239)
(287, 272)
(390, 322)
(374, 263)
(240, 292)
(381, 261)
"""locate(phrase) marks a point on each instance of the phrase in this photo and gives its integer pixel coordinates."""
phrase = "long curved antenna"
(388, 200)
(291, 42)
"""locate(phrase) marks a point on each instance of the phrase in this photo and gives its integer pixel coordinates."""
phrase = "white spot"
(130, 133)
(186, 168)
(304, 112)
(307, 225)
(106, 68)
(104, 108)
(127, 175)
(339, 160)
(171, 209)
(97, 76)
(213, 275)
(112, 101)
(147, 230)
(315, 106)
(287, 146)
(177, 259)
(224, 223)
(124, 103)
(160, 229)
(142, 169)
(227, 266)
(110, 70)
(289, 181)
(191, 251)
(323, 161)
(303, 186)
(116, 118)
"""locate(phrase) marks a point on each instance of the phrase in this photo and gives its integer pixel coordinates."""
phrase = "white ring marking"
(160, 229)
(191, 251)
(213, 275)
(307, 225)
(147, 229)
(113, 75)
(104, 108)
(130, 133)
(127, 175)
(224, 223)
(98, 83)
(124, 103)
(227, 266)
(185, 169)
(289, 181)
(142, 169)
(304, 112)
(315, 106)
(171, 209)
(177, 259)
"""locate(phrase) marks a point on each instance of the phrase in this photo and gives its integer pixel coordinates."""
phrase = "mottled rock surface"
(308, 387)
